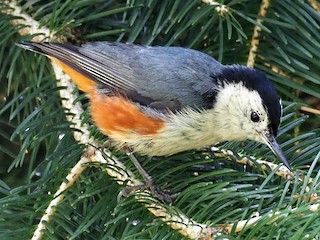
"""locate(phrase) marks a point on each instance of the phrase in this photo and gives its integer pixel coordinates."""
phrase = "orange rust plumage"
(84, 84)
(112, 113)
(119, 114)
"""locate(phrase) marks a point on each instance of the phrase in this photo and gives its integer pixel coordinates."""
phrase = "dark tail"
(67, 57)
(56, 50)
(32, 46)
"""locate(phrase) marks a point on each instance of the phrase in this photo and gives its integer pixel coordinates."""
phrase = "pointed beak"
(270, 141)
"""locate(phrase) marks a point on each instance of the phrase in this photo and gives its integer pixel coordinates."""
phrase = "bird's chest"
(180, 132)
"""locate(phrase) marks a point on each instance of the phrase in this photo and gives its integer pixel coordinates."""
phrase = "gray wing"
(159, 77)
(159, 74)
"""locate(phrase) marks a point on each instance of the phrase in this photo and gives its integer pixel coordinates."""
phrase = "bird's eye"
(255, 117)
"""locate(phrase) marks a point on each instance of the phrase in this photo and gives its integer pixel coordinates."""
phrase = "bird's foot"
(164, 196)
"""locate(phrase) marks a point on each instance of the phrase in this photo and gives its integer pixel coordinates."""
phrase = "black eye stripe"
(255, 117)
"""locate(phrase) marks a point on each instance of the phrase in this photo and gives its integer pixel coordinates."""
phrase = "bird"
(162, 100)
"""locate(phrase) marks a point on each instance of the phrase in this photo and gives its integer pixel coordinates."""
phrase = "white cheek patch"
(233, 108)
(239, 100)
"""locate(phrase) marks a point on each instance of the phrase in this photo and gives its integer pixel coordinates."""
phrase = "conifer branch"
(31, 27)
(315, 4)
(177, 221)
(296, 79)
(59, 196)
(256, 33)
(310, 110)
(282, 171)
(273, 216)
(220, 8)
(170, 216)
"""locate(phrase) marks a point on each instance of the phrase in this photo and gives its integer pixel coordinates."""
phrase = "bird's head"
(247, 107)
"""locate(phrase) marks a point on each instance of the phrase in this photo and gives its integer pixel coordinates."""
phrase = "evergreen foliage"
(37, 147)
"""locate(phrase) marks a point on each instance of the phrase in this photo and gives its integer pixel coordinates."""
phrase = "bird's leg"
(164, 196)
